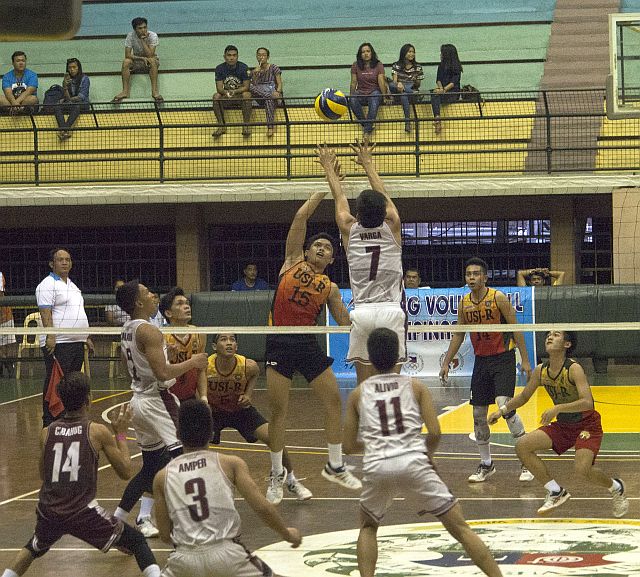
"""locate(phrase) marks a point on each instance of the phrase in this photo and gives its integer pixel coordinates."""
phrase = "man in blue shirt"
(232, 87)
(19, 86)
(250, 280)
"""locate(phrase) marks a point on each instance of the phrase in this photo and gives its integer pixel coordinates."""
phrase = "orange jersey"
(300, 296)
(184, 347)
(486, 312)
(223, 390)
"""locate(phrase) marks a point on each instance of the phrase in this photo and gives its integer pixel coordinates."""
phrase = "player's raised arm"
(116, 450)
(337, 308)
(329, 162)
(294, 248)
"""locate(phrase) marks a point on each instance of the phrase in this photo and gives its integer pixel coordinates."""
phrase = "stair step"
(582, 15)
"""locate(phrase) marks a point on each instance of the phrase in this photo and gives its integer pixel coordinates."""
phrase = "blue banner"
(425, 351)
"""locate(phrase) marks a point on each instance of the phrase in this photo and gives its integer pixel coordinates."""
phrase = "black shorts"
(245, 421)
(302, 353)
(493, 376)
(93, 525)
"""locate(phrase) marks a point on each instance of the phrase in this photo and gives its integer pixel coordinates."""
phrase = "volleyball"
(331, 104)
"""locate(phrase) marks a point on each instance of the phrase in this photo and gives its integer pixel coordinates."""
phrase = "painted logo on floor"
(525, 547)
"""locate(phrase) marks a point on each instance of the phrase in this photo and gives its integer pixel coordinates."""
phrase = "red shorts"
(92, 524)
(585, 434)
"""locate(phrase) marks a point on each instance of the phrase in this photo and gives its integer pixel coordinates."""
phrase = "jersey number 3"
(199, 511)
(384, 419)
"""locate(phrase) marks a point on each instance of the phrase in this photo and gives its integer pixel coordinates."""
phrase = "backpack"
(51, 98)
(470, 94)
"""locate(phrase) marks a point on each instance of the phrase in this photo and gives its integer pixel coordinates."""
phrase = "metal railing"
(499, 133)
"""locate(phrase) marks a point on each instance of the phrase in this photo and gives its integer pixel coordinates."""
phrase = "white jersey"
(375, 265)
(390, 419)
(142, 378)
(199, 500)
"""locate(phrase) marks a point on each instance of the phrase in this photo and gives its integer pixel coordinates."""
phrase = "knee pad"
(35, 553)
(132, 541)
(501, 402)
(480, 425)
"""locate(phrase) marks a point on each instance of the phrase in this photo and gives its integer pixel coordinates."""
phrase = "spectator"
(157, 320)
(140, 56)
(266, 83)
(250, 280)
(406, 74)
(7, 342)
(368, 84)
(62, 306)
(540, 277)
(114, 315)
(75, 100)
(232, 88)
(19, 86)
(412, 278)
(447, 82)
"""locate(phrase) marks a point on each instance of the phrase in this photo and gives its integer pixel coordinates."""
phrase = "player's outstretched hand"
(494, 417)
(200, 360)
(294, 537)
(363, 150)
(328, 159)
(122, 420)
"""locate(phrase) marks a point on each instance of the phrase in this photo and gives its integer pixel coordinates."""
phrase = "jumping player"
(228, 388)
(69, 451)
(303, 289)
(145, 353)
(494, 371)
(373, 245)
(195, 508)
(577, 424)
(384, 418)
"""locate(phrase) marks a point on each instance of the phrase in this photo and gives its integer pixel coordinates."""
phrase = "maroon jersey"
(70, 468)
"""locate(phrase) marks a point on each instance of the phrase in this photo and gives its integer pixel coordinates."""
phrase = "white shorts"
(411, 476)
(369, 316)
(153, 424)
(226, 559)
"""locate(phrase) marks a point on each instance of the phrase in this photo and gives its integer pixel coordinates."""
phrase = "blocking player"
(576, 424)
(69, 452)
(175, 308)
(303, 289)
(494, 371)
(195, 507)
(373, 246)
(228, 388)
(145, 353)
(384, 418)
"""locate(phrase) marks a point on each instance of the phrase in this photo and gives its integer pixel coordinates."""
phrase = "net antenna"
(623, 81)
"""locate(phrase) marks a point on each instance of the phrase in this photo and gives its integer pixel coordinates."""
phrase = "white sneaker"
(299, 490)
(483, 472)
(147, 528)
(274, 490)
(620, 501)
(342, 477)
(525, 475)
(553, 501)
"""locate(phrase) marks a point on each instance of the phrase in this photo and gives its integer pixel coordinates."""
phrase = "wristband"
(121, 437)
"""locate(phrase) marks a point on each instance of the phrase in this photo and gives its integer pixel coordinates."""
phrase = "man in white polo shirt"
(62, 306)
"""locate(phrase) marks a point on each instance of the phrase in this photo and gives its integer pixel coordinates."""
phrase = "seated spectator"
(75, 100)
(19, 87)
(157, 319)
(412, 278)
(368, 85)
(232, 88)
(447, 82)
(406, 74)
(140, 56)
(250, 280)
(540, 277)
(266, 83)
(114, 315)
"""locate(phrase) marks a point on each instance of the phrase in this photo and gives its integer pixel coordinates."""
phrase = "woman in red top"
(368, 84)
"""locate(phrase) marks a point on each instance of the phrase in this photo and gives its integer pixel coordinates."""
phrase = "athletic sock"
(485, 454)
(552, 486)
(146, 504)
(276, 462)
(616, 487)
(9, 573)
(291, 478)
(121, 514)
(151, 571)
(335, 455)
